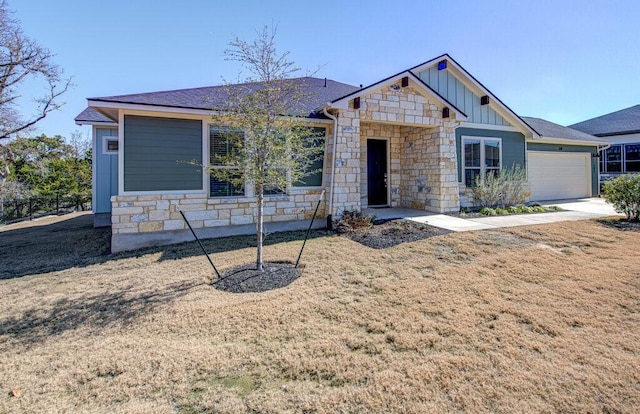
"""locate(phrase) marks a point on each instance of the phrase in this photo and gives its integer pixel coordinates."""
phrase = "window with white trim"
(221, 144)
(620, 158)
(313, 171)
(109, 145)
(480, 156)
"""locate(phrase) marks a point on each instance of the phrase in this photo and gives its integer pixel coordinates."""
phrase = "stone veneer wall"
(429, 170)
(155, 213)
(423, 164)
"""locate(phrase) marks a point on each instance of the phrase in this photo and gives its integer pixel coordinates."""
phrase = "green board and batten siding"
(593, 150)
(458, 94)
(513, 145)
(157, 152)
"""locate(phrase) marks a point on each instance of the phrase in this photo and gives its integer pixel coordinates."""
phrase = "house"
(416, 139)
(621, 129)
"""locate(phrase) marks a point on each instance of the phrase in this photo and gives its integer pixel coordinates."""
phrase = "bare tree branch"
(22, 58)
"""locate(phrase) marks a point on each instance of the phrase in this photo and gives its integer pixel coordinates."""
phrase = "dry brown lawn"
(530, 319)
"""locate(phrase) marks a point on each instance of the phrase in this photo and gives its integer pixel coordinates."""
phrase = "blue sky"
(562, 60)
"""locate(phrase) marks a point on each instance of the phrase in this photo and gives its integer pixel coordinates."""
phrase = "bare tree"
(267, 142)
(80, 144)
(22, 59)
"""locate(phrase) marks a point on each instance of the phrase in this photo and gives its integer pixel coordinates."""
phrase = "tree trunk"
(259, 226)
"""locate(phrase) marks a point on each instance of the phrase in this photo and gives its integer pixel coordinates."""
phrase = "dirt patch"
(393, 232)
(245, 279)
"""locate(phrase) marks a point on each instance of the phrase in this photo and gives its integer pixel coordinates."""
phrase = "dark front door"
(377, 172)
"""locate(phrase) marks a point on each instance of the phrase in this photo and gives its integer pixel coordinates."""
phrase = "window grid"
(482, 156)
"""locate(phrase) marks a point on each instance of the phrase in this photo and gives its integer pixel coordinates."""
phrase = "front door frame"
(387, 173)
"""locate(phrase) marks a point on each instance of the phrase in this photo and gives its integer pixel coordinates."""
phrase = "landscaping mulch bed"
(246, 278)
(393, 232)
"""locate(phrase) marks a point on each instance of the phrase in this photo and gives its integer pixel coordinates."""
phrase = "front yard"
(529, 319)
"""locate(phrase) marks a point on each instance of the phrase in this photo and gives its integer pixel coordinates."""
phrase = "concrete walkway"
(581, 209)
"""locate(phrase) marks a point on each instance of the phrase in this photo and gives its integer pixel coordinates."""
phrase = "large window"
(481, 156)
(622, 158)
(222, 142)
(612, 160)
(632, 158)
(314, 170)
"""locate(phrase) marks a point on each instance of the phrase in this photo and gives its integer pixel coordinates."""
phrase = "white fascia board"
(343, 103)
(157, 110)
(488, 126)
(564, 141)
(148, 108)
(97, 123)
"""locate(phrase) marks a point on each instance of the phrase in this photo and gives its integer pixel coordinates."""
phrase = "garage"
(559, 175)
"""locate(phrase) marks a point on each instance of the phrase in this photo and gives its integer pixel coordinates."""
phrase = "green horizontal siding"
(156, 153)
(593, 150)
(513, 146)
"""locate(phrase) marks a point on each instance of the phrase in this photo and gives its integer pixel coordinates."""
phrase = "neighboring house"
(416, 139)
(622, 130)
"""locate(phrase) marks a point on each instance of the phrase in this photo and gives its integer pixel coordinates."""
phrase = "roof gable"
(466, 91)
(622, 122)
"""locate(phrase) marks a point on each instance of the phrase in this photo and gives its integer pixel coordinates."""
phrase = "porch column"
(347, 163)
(442, 170)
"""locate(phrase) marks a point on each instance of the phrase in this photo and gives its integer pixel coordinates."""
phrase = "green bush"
(503, 189)
(623, 192)
(488, 211)
(501, 211)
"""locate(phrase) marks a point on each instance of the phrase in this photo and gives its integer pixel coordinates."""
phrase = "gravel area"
(246, 278)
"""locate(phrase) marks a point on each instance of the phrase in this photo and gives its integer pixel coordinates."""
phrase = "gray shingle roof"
(320, 91)
(550, 130)
(90, 115)
(624, 121)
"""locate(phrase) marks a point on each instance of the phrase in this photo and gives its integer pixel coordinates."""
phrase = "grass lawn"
(529, 319)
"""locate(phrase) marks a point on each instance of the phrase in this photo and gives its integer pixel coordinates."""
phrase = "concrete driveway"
(580, 209)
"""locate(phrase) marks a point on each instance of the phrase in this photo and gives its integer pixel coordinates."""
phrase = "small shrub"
(503, 189)
(501, 211)
(488, 211)
(352, 219)
(538, 209)
(512, 209)
(623, 193)
(553, 208)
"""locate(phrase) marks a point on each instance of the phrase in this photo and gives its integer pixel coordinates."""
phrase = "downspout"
(333, 162)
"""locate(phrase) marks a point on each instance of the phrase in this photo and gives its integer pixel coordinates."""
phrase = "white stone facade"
(422, 151)
(156, 213)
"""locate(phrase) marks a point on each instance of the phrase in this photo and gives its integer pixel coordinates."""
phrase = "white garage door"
(559, 175)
